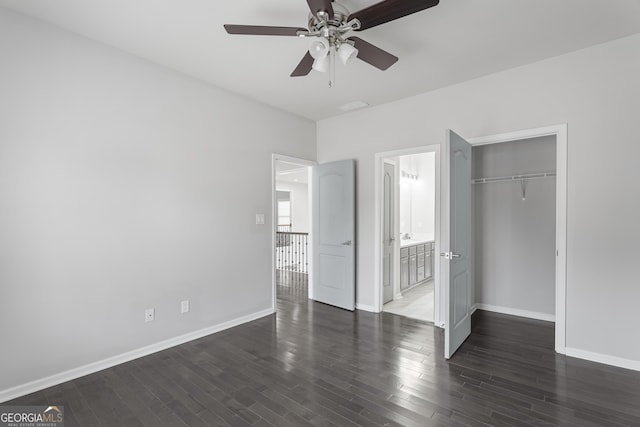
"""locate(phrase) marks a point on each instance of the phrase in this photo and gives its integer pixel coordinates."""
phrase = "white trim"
(274, 219)
(603, 358)
(438, 294)
(561, 134)
(377, 233)
(474, 308)
(71, 374)
(378, 197)
(365, 307)
(518, 135)
(561, 237)
(515, 312)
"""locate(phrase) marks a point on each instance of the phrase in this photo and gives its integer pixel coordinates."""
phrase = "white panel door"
(333, 232)
(388, 239)
(456, 262)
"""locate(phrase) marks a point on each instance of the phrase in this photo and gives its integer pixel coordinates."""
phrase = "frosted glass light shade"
(321, 64)
(319, 48)
(346, 52)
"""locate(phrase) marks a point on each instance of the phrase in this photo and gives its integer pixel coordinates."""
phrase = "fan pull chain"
(332, 67)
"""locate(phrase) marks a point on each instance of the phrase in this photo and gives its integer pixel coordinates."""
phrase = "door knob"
(449, 255)
(347, 243)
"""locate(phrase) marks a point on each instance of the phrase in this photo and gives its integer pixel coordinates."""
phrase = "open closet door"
(456, 262)
(333, 232)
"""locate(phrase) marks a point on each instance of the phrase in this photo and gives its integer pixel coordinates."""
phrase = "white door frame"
(377, 277)
(560, 132)
(274, 220)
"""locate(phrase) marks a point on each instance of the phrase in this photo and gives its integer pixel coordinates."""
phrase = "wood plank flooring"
(290, 278)
(313, 364)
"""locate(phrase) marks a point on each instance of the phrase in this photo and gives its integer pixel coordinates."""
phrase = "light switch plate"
(259, 219)
(184, 306)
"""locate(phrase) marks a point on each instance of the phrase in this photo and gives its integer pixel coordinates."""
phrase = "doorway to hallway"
(313, 232)
(292, 226)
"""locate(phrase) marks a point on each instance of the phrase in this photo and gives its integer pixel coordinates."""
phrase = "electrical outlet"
(184, 306)
(150, 315)
(259, 219)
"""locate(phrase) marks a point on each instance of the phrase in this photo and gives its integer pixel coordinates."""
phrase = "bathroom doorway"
(409, 217)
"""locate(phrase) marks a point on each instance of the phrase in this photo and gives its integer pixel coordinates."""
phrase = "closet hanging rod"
(513, 178)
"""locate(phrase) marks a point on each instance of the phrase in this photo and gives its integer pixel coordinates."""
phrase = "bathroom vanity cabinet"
(416, 264)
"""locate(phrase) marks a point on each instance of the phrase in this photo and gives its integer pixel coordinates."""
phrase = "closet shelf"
(513, 178)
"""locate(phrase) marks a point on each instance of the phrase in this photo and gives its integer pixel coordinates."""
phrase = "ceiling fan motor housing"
(332, 28)
(340, 16)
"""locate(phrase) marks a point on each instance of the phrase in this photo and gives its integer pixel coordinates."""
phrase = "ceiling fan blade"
(260, 30)
(389, 10)
(320, 6)
(304, 67)
(373, 55)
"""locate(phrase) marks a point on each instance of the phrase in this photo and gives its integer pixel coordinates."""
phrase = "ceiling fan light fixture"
(346, 52)
(329, 23)
(319, 48)
(321, 64)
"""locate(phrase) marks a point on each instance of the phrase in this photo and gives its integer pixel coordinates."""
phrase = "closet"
(514, 190)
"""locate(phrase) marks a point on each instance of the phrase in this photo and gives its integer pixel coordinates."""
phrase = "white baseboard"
(365, 307)
(603, 358)
(71, 374)
(515, 312)
(474, 307)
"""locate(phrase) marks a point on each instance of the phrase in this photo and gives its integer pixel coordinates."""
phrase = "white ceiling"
(289, 172)
(455, 41)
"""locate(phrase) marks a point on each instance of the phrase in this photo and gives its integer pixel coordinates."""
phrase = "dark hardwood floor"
(313, 364)
(292, 279)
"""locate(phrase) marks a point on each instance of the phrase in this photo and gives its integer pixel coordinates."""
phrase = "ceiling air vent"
(355, 105)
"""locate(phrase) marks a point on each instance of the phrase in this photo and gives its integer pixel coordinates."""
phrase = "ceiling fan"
(329, 23)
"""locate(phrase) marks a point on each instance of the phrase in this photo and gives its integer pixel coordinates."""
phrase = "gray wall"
(115, 196)
(596, 92)
(514, 256)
